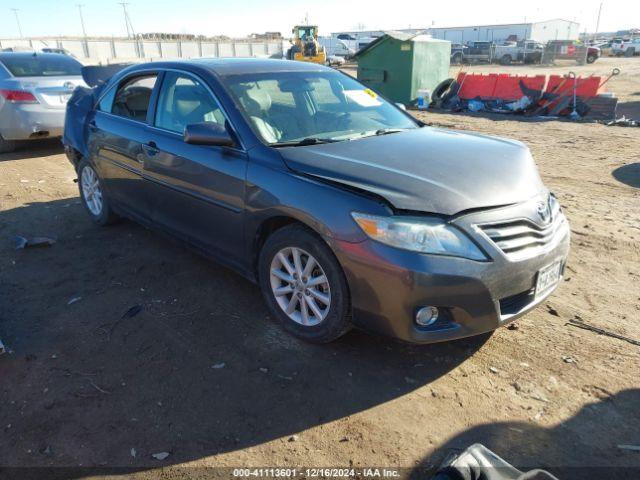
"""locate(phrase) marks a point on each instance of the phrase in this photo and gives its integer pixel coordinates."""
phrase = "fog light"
(427, 316)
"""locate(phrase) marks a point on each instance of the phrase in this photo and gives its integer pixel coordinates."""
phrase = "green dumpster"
(397, 65)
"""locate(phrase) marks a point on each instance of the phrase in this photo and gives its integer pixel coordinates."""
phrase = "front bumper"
(30, 121)
(389, 285)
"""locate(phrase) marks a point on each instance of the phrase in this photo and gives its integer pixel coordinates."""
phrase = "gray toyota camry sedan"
(34, 89)
(342, 207)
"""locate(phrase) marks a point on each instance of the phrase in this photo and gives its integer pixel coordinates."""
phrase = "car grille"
(522, 238)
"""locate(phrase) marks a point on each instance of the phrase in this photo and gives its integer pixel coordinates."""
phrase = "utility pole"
(85, 44)
(127, 22)
(598, 21)
(84, 32)
(15, 12)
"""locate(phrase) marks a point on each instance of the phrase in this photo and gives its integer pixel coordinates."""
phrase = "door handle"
(92, 126)
(151, 149)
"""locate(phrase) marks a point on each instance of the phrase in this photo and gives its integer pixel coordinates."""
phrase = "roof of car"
(241, 66)
(30, 54)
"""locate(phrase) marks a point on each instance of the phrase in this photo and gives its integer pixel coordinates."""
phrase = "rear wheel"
(303, 285)
(630, 52)
(505, 60)
(591, 58)
(7, 146)
(93, 195)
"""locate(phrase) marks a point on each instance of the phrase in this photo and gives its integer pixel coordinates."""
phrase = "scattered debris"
(602, 331)
(133, 452)
(23, 242)
(493, 370)
(47, 450)
(293, 438)
(513, 326)
(101, 390)
(623, 122)
(553, 311)
(409, 380)
(161, 455)
(264, 370)
(568, 359)
(635, 448)
(284, 377)
(74, 300)
(218, 366)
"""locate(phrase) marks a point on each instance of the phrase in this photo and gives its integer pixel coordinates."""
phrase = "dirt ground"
(203, 374)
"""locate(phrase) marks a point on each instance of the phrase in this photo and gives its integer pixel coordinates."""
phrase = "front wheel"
(591, 59)
(93, 195)
(304, 285)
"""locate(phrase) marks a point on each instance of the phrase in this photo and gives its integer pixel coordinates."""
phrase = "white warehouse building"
(556, 29)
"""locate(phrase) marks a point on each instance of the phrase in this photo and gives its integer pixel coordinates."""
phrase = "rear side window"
(133, 96)
(41, 65)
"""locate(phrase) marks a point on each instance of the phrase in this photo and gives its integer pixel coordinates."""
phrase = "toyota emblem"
(544, 211)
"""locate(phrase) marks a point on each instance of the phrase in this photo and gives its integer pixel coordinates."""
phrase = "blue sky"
(241, 17)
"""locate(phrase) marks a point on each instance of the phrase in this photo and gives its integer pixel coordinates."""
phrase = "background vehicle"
(457, 53)
(306, 47)
(34, 90)
(525, 51)
(478, 52)
(62, 51)
(628, 48)
(334, 47)
(324, 193)
(570, 50)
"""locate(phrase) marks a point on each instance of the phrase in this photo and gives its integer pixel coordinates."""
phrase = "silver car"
(34, 90)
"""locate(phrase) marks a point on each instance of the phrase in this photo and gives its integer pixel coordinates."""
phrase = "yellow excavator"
(306, 47)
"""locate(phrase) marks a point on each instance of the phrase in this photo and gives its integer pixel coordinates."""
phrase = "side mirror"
(207, 133)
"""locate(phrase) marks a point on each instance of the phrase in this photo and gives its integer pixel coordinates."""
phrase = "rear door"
(199, 190)
(118, 134)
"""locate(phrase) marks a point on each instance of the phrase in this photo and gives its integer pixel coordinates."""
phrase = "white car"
(627, 48)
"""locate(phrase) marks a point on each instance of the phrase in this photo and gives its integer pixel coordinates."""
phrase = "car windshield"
(313, 107)
(41, 65)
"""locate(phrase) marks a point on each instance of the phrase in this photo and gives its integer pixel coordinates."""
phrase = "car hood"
(427, 169)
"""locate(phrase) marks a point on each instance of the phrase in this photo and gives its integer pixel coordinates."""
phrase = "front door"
(198, 190)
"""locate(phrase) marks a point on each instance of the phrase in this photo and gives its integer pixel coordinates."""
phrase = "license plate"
(548, 277)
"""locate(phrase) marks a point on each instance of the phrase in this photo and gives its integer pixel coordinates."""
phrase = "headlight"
(425, 235)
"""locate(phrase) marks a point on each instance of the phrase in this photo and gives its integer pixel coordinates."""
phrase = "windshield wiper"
(387, 131)
(303, 142)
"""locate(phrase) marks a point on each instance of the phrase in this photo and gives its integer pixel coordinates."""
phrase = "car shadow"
(123, 340)
(591, 444)
(34, 148)
(628, 174)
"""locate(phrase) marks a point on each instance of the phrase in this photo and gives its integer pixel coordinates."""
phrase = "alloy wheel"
(91, 191)
(300, 286)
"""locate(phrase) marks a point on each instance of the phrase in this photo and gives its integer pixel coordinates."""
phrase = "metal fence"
(117, 50)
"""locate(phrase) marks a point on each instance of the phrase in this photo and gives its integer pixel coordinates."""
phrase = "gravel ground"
(203, 374)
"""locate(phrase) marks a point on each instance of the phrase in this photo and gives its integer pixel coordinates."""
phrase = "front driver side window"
(184, 101)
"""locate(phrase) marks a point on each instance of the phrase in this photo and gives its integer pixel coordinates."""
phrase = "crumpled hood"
(428, 169)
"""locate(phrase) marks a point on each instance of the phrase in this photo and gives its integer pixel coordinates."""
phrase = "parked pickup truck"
(524, 51)
(627, 48)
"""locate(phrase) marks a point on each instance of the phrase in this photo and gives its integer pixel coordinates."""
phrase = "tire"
(100, 216)
(505, 60)
(630, 52)
(334, 320)
(591, 59)
(7, 146)
(457, 59)
(441, 90)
